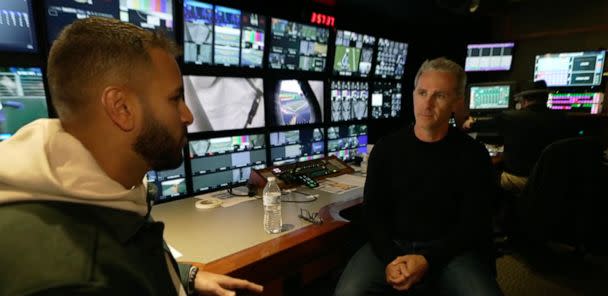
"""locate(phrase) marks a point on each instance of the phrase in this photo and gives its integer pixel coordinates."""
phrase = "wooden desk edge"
(332, 221)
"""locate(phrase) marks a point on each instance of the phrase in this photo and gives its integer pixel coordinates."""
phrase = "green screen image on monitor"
(489, 97)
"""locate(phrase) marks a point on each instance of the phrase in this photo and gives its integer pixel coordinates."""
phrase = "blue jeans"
(468, 274)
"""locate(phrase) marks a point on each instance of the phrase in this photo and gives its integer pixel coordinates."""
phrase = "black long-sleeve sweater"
(419, 191)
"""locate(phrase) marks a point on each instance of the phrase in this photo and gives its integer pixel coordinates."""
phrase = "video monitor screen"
(346, 142)
(198, 32)
(170, 184)
(295, 46)
(354, 53)
(224, 36)
(489, 57)
(227, 30)
(484, 97)
(17, 28)
(296, 146)
(386, 99)
(349, 100)
(148, 14)
(22, 99)
(297, 102)
(571, 68)
(60, 13)
(226, 161)
(390, 61)
(252, 40)
(583, 102)
(224, 103)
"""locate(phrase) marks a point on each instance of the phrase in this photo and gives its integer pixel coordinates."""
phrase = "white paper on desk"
(176, 254)
(226, 199)
(228, 202)
(341, 184)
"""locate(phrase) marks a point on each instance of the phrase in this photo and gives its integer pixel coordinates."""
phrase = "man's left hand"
(416, 267)
(207, 283)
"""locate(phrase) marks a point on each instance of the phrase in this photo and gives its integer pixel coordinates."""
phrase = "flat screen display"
(390, 60)
(170, 184)
(224, 162)
(17, 28)
(583, 68)
(349, 100)
(354, 53)
(386, 99)
(346, 142)
(296, 145)
(22, 99)
(489, 57)
(295, 46)
(484, 97)
(224, 103)
(297, 102)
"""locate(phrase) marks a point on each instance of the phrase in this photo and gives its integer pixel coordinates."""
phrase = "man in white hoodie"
(74, 216)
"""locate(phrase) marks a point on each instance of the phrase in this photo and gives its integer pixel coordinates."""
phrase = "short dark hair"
(91, 53)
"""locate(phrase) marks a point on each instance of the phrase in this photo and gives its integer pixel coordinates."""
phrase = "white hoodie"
(43, 162)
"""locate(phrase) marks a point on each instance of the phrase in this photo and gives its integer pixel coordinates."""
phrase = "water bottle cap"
(270, 179)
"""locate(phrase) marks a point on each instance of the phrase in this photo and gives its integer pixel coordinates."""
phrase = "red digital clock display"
(322, 19)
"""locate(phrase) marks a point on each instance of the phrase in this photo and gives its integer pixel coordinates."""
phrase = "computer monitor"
(296, 145)
(152, 15)
(170, 184)
(296, 46)
(489, 57)
(17, 28)
(490, 96)
(346, 142)
(60, 13)
(224, 36)
(296, 102)
(584, 102)
(390, 60)
(582, 68)
(386, 99)
(224, 103)
(354, 53)
(224, 162)
(349, 100)
(22, 99)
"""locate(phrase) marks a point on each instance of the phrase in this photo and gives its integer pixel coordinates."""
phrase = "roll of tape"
(208, 203)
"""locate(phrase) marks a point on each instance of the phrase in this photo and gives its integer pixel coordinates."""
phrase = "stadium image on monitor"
(354, 54)
(224, 103)
(349, 100)
(347, 141)
(489, 96)
(227, 36)
(590, 103)
(296, 145)
(170, 184)
(297, 102)
(489, 57)
(17, 29)
(571, 68)
(198, 32)
(22, 99)
(390, 61)
(151, 15)
(252, 40)
(386, 99)
(60, 13)
(225, 162)
(295, 46)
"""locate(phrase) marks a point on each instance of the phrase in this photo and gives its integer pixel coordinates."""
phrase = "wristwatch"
(191, 276)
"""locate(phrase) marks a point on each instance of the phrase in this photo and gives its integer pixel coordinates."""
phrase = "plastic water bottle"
(273, 221)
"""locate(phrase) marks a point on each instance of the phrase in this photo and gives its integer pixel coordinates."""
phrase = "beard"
(158, 148)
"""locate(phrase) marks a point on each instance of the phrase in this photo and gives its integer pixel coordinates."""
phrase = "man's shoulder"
(469, 145)
(45, 245)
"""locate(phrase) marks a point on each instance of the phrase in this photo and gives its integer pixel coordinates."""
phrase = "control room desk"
(232, 240)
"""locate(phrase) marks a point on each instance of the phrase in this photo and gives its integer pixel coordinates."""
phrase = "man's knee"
(470, 274)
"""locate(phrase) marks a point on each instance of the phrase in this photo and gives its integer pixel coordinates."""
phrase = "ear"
(119, 107)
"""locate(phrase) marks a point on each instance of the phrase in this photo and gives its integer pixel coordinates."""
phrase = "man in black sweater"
(428, 198)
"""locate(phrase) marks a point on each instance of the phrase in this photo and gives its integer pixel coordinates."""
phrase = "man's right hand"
(405, 271)
(207, 283)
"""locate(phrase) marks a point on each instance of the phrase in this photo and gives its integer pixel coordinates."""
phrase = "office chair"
(563, 200)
